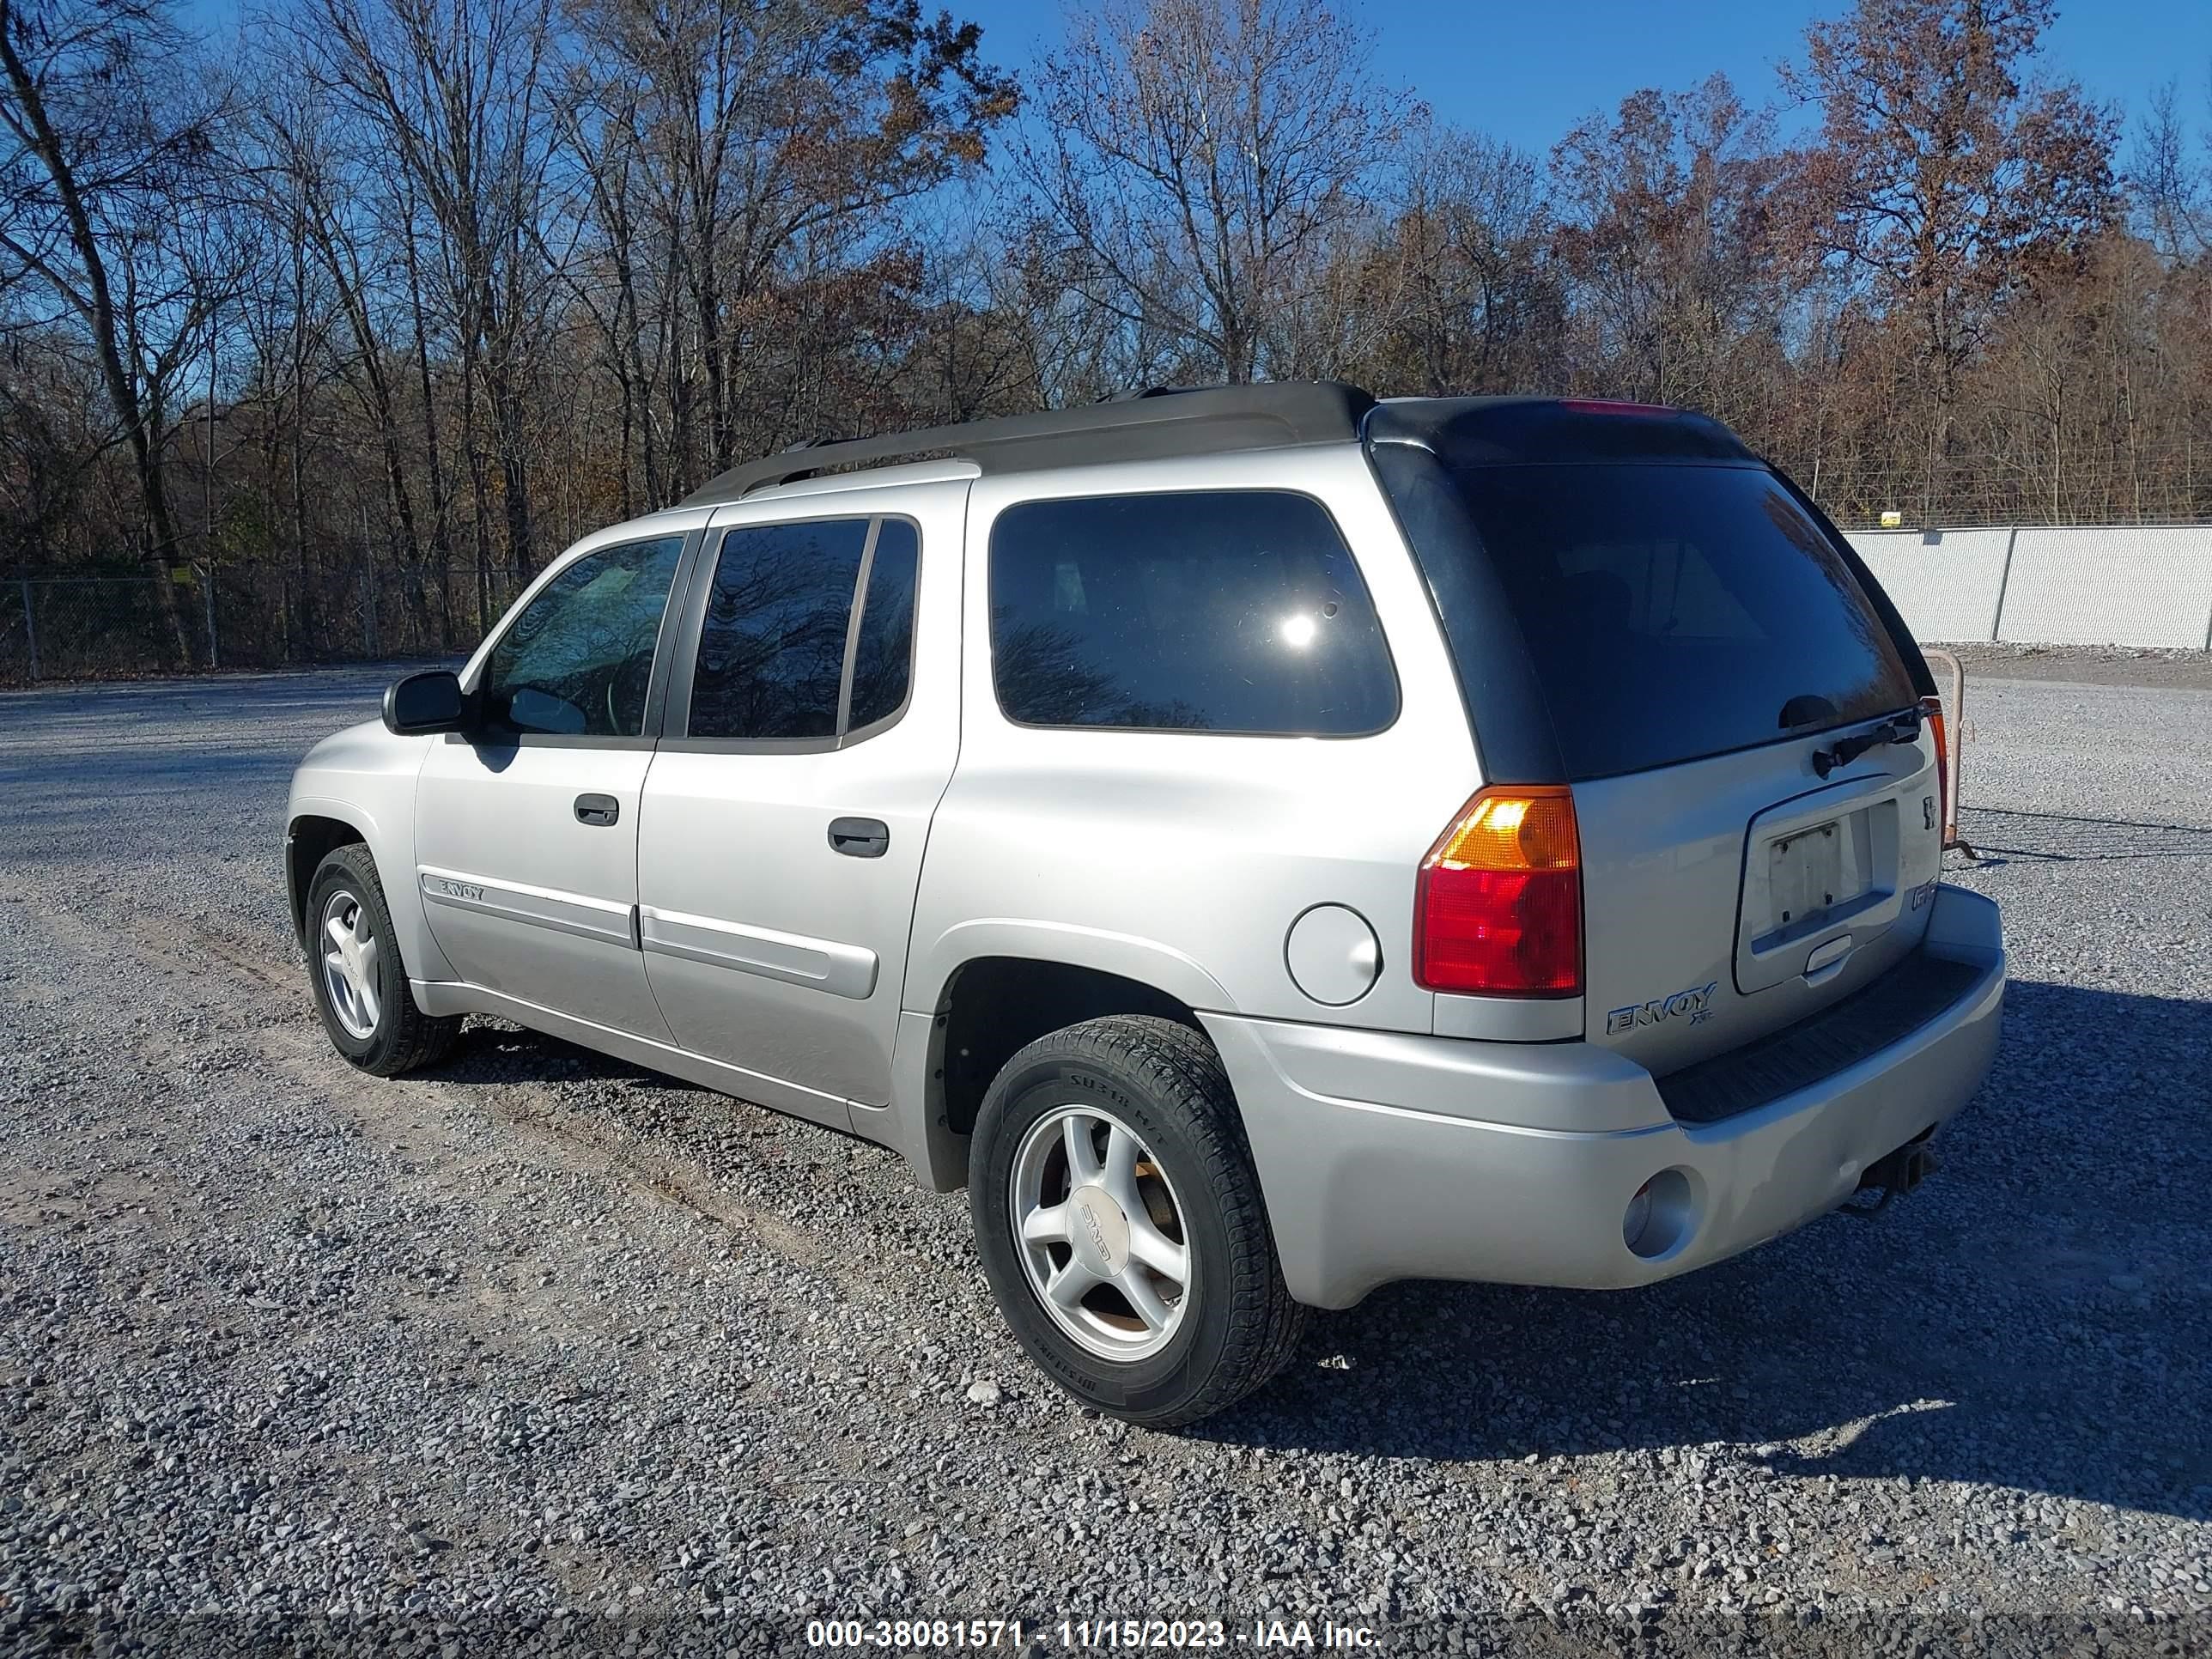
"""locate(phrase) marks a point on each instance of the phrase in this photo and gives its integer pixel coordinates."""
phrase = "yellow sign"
(1892, 519)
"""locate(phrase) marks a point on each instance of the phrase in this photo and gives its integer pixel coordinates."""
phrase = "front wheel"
(359, 982)
(1121, 1225)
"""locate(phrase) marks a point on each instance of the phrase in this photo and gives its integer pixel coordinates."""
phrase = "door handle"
(860, 838)
(598, 811)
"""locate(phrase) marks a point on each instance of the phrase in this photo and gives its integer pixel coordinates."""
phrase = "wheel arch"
(315, 826)
(1019, 982)
(309, 838)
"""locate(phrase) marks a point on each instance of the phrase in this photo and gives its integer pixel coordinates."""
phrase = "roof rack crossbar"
(1164, 421)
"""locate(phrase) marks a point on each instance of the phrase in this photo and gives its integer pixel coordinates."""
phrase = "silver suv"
(1263, 843)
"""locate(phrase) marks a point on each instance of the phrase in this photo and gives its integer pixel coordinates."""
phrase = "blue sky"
(1526, 72)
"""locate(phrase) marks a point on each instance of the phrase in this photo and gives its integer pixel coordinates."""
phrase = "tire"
(1165, 1358)
(393, 1034)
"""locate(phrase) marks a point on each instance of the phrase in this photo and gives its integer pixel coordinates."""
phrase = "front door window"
(577, 659)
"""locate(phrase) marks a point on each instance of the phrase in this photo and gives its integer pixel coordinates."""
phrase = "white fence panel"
(2110, 584)
(1945, 582)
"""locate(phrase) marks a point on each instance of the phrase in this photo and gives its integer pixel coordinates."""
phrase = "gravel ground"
(2086, 665)
(539, 1351)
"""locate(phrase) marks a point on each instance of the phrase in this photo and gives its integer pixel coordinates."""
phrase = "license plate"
(1808, 873)
(1801, 882)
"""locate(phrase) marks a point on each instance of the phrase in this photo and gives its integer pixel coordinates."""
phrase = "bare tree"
(1202, 159)
(2172, 185)
(734, 154)
(1462, 272)
(108, 131)
(457, 91)
(319, 203)
(1942, 178)
(1667, 232)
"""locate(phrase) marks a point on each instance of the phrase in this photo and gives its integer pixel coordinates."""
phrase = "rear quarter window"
(1222, 611)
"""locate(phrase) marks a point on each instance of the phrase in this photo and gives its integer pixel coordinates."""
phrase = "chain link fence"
(2123, 585)
(55, 627)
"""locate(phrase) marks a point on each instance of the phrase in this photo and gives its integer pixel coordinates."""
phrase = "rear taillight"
(1498, 910)
(1931, 710)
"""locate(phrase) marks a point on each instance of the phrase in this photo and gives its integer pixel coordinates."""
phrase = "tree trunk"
(441, 539)
(97, 307)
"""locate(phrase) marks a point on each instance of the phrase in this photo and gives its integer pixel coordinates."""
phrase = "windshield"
(1674, 610)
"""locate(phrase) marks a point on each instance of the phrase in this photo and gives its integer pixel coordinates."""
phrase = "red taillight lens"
(1497, 907)
(1931, 710)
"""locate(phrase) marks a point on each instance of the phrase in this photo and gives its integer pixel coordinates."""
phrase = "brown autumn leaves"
(472, 277)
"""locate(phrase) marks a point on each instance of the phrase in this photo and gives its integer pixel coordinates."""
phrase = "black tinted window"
(1675, 610)
(1225, 611)
(771, 661)
(885, 648)
(578, 656)
(772, 651)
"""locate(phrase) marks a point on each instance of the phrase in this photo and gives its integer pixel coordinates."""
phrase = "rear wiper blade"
(1898, 728)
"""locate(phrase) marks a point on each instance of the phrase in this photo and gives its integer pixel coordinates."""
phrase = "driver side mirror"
(426, 702)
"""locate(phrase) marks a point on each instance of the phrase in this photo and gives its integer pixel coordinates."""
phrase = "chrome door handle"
(599, 811)
(860, 838)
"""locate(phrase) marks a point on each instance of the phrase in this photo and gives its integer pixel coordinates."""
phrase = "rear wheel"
(1122, 1225)
(360, 984)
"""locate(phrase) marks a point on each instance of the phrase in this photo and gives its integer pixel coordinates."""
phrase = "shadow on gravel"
(2038, 1316)
(2000, 834)
(495, 1052)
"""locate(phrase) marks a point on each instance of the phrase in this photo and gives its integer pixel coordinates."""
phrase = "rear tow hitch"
(1893, 1176)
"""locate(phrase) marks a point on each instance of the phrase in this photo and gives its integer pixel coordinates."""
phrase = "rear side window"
(883, 649)
(779, 658)
(1224, 610)
(1673, 611)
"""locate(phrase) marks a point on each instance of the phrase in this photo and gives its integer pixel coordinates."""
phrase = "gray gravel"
(540, 1349)
(2147, 667)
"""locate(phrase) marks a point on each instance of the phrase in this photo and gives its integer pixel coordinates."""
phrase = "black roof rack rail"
(1157, 422)
(1129, 394)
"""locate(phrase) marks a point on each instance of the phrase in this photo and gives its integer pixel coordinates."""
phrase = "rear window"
(1673, 611)
(1208, 610)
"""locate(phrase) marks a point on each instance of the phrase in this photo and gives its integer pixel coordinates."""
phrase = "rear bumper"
(1386, 1157)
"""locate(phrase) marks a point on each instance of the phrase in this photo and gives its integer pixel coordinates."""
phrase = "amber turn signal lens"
(1521, 829)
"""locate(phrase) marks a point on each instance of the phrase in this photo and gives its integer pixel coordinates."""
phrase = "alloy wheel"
(1100, 1233)
(349, 952)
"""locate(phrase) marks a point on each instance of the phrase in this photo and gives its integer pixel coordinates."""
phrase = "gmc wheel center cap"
(1101, 1232)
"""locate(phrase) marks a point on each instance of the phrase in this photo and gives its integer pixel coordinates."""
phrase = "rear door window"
(883, 649)
(1220, 611)
(779, 656)
(1675, 610)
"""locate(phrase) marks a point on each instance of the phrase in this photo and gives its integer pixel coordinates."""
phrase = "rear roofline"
(1523, 431)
